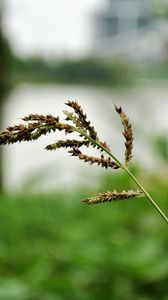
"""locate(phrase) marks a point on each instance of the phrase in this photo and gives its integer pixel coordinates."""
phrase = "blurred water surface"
(28, 164)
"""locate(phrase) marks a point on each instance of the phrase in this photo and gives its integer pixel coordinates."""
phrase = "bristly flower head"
(76, 121)
(38, 125)
(128, 134)
(82, 119)
(112, 196)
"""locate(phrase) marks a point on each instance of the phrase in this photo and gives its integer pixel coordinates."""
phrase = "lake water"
(29, 165)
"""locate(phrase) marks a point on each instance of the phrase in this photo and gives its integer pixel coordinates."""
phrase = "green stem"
(146, 194)
(129, 173)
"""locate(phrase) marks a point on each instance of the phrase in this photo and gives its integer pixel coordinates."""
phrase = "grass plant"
(76, 122)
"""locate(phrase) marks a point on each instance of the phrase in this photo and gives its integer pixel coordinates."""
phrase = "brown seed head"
(37, 125)
(128, 134)
(104, 163)
(67, 144)
(41, 118)
(82, 118)
(113, 196)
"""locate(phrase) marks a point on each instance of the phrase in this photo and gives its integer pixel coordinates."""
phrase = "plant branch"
(146, 194)
(127, 171)
(39, 125)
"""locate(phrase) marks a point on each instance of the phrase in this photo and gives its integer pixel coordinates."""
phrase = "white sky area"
(50, 27)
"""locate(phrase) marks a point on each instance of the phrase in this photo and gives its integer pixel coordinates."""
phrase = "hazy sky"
(50, 27)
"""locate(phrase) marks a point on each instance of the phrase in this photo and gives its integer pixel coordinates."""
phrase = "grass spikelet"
(70, 116)
(47, 119)
(67, 144)
(104, 163)
(83, 118)
(32, 130)
(128, 134)
(113, 196)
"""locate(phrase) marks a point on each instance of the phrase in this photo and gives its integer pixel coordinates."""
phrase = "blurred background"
(96, 52)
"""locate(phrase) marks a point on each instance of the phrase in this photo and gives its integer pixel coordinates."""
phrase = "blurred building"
(128, 27)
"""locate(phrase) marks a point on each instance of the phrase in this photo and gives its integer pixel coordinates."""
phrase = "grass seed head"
(128, 134)
(113, 196)
(100, 161)
(67, 144)
(82, 117)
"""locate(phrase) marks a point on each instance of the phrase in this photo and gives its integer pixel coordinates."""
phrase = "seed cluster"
(82, 119)
(67, 144)
(105, 163)
(76, 121)
(128, 134)
(113, 196)
(37, 125)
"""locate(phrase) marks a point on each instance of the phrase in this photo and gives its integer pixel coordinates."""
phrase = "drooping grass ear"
(67, 144)
(113, 196)
(100, 161)
(82, 118)
(38, 125)
(127, 133)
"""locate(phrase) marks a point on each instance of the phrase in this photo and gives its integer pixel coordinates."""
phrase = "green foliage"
(161, 147)
(94, 71)
(5, 83)
(5, 57)
(81, 71)
(55, 247)
(160, 9)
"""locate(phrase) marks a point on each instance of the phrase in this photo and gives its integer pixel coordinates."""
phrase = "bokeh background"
(97, 52)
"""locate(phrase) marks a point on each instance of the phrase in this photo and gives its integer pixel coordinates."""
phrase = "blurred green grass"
(52, 246)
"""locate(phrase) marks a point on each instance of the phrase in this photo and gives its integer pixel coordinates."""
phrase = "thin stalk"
(128, 172)
(141, 187)
(146, 194)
